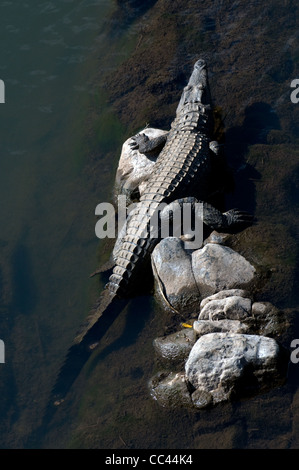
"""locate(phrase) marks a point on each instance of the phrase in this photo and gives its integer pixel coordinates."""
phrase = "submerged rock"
(176, 346)
(170, 389)
(226, 364)
(270, 321)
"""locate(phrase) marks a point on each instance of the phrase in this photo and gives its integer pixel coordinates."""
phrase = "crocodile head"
(196, 95)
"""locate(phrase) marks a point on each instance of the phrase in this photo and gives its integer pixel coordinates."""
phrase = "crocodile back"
(182, 164)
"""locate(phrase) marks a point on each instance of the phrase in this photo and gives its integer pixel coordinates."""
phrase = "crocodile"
(180, 171)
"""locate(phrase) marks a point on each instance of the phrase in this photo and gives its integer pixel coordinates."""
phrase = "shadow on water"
(79, 354)
(138, 314)
(259, 120)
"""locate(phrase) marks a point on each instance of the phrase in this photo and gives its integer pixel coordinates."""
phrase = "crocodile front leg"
(146, 145)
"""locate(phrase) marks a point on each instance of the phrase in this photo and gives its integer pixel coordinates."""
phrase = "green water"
(52, 54)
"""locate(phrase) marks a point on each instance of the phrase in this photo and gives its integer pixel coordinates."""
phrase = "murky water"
(49, 61)
(60, 142)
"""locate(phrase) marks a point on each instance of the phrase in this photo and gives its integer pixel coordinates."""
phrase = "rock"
(177, 346)
(217, 267)
(201, 398)
(173, 275)
(226, 364)
(270, 320)
(261, 308)
(223, 294)
(135, 167)
(230, 308)
(170, 389)
(217, 237)
(203, 327)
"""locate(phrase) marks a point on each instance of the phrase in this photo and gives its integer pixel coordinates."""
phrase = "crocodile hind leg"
(202, 214)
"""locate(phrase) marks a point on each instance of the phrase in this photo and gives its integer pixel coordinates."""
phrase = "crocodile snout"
(200, 64)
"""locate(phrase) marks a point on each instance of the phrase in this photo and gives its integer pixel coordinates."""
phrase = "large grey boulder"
(217, 267)
(173, 275)
(184, 278)
(221, 365)
(134, 167)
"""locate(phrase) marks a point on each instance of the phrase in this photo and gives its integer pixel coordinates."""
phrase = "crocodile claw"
(138, 140)
(133, 144)
(238, 217)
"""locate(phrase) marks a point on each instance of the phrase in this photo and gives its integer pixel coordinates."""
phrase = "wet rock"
(269, 320)
(170, 390)
(203, 327)
(201, 398)
(184, 279)
(262, 318)
(217, 237)
(134, 167)
(230, 308)
(217, 267)
(177, 346)
(173, 275)
(223, 294)
(229, 364)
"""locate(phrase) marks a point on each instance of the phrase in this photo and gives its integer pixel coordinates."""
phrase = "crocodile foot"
(236, 217)
(139, 142)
